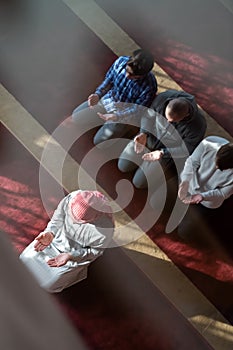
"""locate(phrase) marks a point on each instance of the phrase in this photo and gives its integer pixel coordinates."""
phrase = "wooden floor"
(37, 96)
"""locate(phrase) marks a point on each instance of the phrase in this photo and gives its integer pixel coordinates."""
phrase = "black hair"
(141, 62)
(224, 157)
(179, 106)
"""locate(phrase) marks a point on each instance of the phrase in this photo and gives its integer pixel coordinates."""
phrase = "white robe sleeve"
(96, 239)
(57, 219)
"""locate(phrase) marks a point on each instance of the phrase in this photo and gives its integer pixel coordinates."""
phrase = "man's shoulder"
(209, 146)
(164, 97)
(100, 232)
(195, 123)
(152, 78)
(214, 142)
(121, 60)
(125, 58)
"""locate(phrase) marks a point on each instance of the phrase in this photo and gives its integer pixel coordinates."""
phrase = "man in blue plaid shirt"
(117, 104)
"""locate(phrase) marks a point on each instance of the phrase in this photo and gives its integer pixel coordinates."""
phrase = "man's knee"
(140, 180)
(77, 112)
(125, 165)
(102, 138)
(128, 160)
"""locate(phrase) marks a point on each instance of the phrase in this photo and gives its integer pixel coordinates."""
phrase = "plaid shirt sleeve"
(107, 84)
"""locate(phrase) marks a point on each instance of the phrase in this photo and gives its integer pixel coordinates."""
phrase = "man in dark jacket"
(170, 131)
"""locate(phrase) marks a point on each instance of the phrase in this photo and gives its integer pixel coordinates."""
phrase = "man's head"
(224, 157)
(140, 63)
(88, 206)
(177, 109)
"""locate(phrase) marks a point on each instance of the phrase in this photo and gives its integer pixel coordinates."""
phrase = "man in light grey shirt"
(206, 182)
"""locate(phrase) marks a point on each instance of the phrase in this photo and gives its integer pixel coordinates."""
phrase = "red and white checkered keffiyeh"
(87, 206)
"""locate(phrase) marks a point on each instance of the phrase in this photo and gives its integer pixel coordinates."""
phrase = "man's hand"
(59, 260)
(107, 116)
(194, 199)
(140, 142)
(183, 190)
(93, 99)
(43, 240)
(152, 156)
